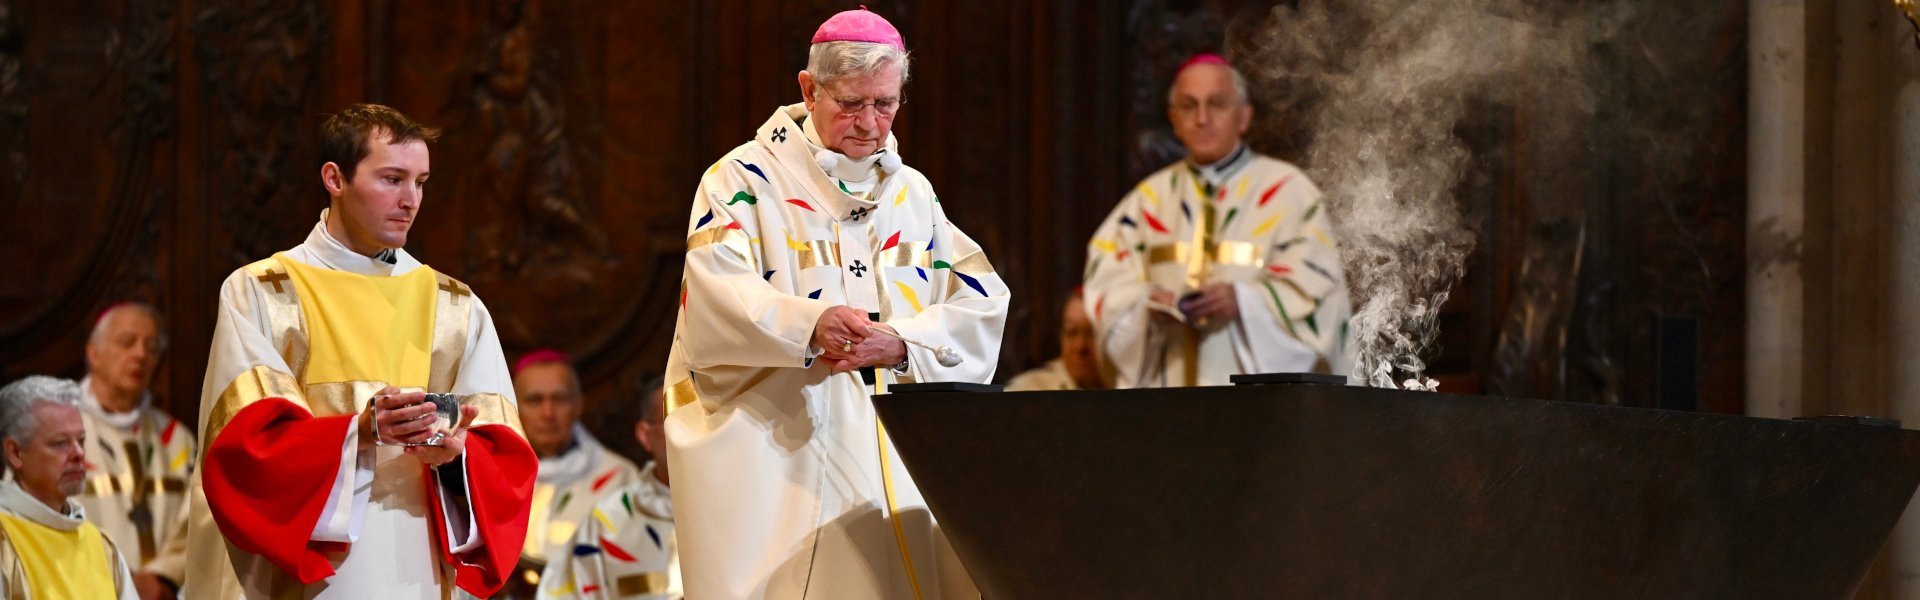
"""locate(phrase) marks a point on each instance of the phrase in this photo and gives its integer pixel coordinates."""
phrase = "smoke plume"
(1383, 87)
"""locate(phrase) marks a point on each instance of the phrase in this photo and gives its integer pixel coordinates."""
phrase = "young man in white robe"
(47, 547)
(139, 458)
(576, 471)
(1220, 264)
(805, 245)
(626, 550)
(315, 390)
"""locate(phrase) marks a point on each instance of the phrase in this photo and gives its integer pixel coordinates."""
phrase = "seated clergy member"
(1078, 368)
(139, 458)
(47, 547)
(627, 549)
(1220, 264)
(575, 470)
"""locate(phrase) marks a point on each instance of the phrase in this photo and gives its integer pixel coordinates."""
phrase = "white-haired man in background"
(139, 458)
(784, 485)
(47, 547)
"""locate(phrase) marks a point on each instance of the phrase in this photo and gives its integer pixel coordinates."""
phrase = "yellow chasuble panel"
(62, 564)
(366, 328)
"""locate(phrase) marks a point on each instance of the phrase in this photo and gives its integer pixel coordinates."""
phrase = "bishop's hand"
(839, 331)
(1210, 306)
(875, 351)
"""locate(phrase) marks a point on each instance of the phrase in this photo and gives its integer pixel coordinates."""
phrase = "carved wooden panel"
(85, 112)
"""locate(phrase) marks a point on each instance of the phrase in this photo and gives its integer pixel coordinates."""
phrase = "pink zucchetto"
(1204, 58)
(540, 357)
(859, 26)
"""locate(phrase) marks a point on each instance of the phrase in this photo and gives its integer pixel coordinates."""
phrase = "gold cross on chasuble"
(453, 287)
(274, 277)
(1200, 259)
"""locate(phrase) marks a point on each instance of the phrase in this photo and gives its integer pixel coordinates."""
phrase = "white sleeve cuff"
(346, 504)
(456, 504)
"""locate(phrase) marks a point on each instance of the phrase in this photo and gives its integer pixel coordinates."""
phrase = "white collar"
(14, 499)
(793, 154)
(652, 496)
(575, 463)
(322, 250)
(123, 420)
(846, 168)
(1218, 171)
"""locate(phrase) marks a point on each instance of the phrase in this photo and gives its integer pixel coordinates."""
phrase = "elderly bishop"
(805, 246)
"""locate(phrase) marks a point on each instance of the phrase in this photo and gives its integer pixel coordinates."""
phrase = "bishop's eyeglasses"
(852, 105)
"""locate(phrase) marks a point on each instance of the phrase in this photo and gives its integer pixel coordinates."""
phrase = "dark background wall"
(149, 148)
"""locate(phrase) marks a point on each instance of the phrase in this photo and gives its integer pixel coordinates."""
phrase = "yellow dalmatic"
(285, 501)
(50, 554)
(365, 329)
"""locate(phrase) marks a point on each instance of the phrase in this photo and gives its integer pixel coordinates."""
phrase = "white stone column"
(1776, 200)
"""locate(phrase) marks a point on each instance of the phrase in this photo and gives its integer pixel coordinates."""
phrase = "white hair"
(18, 399)
(1239, 85)
(99, 334)
(829, 62)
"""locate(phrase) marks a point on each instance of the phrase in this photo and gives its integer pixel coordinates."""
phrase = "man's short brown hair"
(344, 136)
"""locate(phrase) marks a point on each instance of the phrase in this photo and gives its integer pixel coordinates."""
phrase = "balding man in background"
(139, 458)
(1220, 264)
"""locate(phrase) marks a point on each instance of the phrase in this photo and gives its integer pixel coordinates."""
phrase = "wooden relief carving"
(260, 65)
(13, 101)
(529, 166)
(83, 163)
(1168, 32)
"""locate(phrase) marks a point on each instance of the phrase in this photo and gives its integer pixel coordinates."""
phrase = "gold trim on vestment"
(345, 397)
(451, 321)
(907, 254)
(351, 397)
(286, 323)
(115, 559)
(820, 253)
(12, 572)
(640, 583)
(727, 237)
(494, 410)
(880, 277)
(114, 485)
(251, 386)
(680, 394)
(1167, 253)
(1199, 269)
(1245, 254)
(974, 265)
